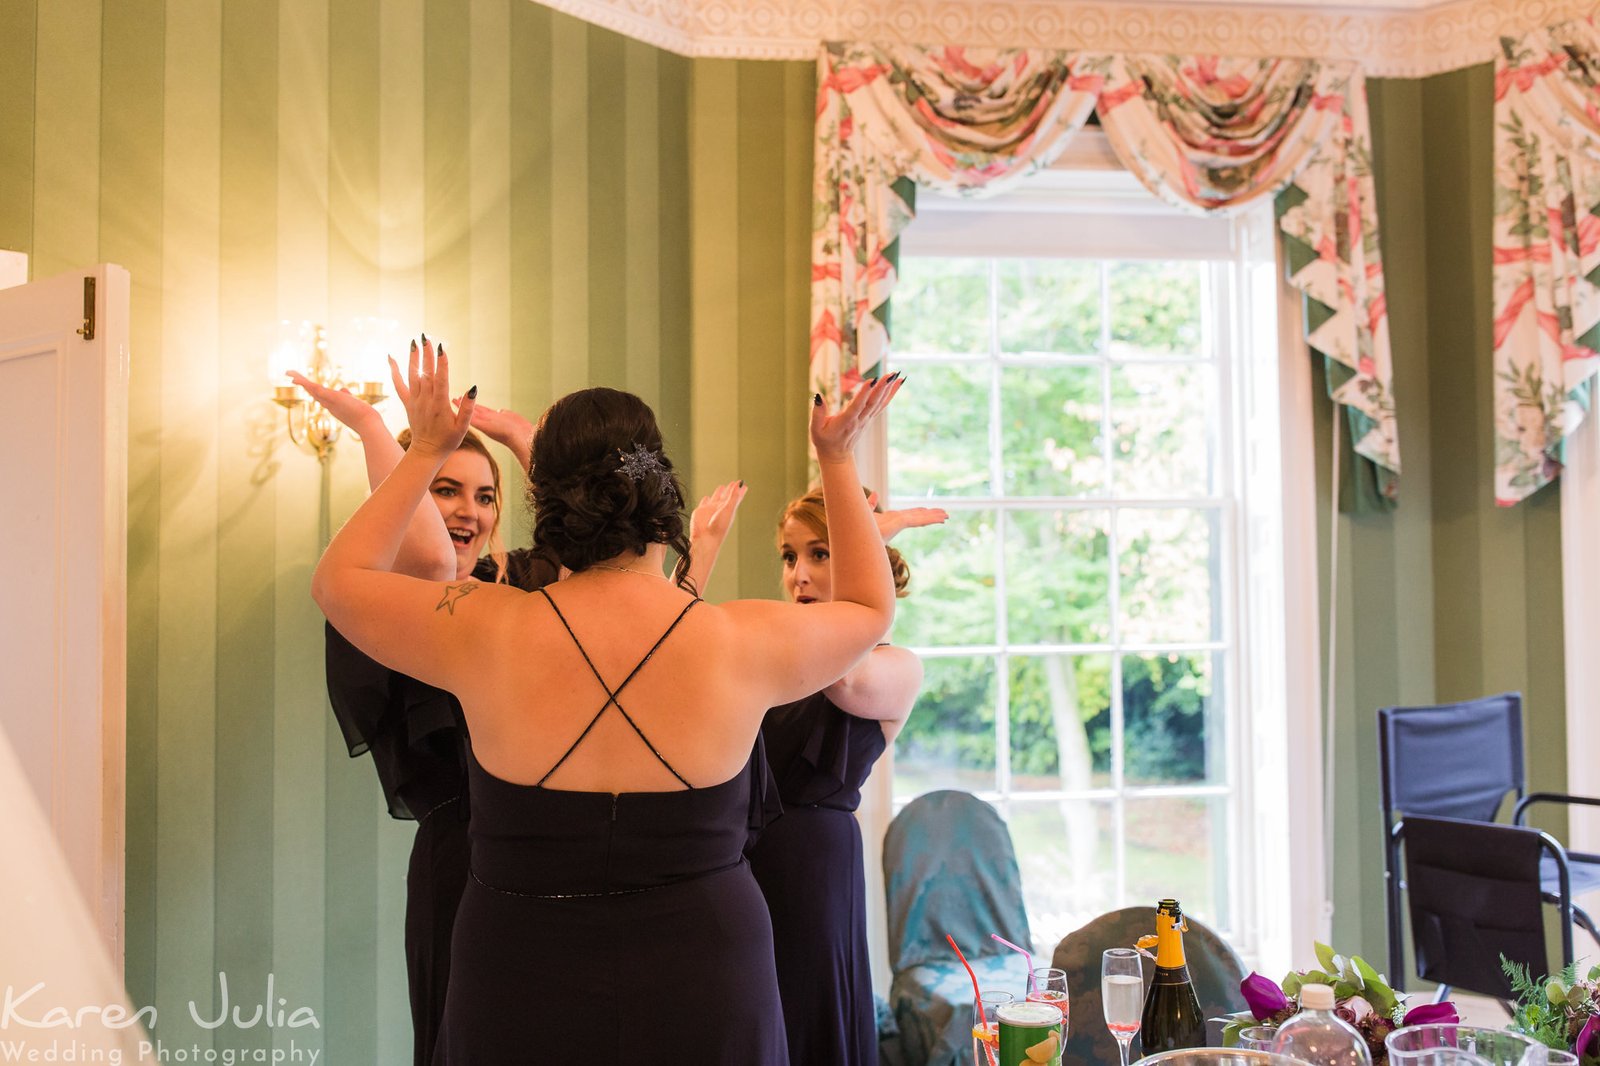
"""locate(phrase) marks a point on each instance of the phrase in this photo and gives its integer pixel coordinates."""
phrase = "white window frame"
(1090, 204)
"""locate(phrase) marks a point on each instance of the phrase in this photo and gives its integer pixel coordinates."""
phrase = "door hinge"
(86, 331)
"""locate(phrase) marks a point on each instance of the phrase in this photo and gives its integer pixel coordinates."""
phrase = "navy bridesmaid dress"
(602, 927)
(417, 738)
(810, 869)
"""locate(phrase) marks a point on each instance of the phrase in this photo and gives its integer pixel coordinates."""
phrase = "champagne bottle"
(1172, 1017)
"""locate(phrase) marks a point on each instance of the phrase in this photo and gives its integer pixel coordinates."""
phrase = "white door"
(63, 565)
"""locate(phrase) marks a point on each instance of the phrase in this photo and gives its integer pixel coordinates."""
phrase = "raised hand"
(713, 517)
(834, 436)
(438, 424)
(708, 529)
(351, 411)
(891, 523)
(507, 427)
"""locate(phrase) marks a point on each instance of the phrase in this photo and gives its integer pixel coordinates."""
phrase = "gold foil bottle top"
(1170, 927)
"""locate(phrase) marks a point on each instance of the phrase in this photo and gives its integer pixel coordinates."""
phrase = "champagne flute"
(1122, 994)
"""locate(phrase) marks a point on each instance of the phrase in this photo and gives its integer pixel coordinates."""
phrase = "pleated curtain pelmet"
(1546, 249)
(1204, 133)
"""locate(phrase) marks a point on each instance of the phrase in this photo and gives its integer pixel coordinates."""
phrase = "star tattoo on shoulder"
(453, 595)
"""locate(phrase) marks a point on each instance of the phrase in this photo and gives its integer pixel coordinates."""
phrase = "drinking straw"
(977, 996)
(1026, 955)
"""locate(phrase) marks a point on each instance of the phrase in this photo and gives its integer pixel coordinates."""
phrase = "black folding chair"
(1460, 761)
(1475, 894)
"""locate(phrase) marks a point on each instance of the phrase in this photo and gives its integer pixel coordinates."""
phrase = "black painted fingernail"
(472, 393)
(816, 399)
(424, 338)
(413, 347)
(441, 351)
(741, 483)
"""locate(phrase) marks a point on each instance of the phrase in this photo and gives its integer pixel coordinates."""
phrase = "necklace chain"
(620, 569)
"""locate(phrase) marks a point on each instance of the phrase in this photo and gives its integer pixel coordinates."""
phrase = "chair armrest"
(1550, 797)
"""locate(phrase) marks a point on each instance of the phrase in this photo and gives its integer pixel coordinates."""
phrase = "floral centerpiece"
(1363, 998)
(1560, 1012)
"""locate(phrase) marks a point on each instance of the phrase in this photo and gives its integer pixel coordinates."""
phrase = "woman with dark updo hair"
(415, 733)
(615, 771)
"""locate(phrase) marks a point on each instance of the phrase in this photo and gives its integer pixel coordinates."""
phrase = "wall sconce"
(310, 426)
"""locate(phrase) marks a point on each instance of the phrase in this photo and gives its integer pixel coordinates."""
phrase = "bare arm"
(709, 527)
(426, 551)
(424, 628)
(882, 687)
(789, 651)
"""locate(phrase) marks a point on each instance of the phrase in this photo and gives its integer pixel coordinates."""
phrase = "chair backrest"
(1215, 968)
(1455, 760)
(1474, 895)
(949, 867)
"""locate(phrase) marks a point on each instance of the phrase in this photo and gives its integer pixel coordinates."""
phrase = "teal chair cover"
(948, 868)
(1215, 968)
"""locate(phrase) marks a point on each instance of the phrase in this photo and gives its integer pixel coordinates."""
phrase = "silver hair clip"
(642, 462)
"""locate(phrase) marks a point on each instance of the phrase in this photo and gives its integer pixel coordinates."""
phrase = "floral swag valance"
(1203, 133)
(1546, 249)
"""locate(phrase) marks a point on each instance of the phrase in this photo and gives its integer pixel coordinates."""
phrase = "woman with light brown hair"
(809, 862)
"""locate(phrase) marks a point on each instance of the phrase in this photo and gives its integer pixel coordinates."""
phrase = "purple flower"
(1263, 996)
(1591, 1030)
(1432, 1014)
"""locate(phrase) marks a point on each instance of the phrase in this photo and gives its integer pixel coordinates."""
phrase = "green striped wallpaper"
(1454, 597)
(564, 206)
(1383, 600)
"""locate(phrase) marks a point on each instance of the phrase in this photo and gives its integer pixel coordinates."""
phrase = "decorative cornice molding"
(1399, 40)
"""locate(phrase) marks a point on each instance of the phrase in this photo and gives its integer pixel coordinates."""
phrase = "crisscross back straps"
(611, 694)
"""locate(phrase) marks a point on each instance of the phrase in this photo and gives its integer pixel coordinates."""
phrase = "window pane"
(939, 433)
(941, 306)
(1161, 424)
(1060, 722)
(1058, 577)
(1051, 443)
(1169, 566)
(948, 742)
(1068, 866)
(1155, 308)
(1049, 305)
(1172, 720)
(952, 591)
(1175, 847)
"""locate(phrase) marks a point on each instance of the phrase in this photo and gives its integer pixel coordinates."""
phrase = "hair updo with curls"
(586, 507)
(810, 512)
